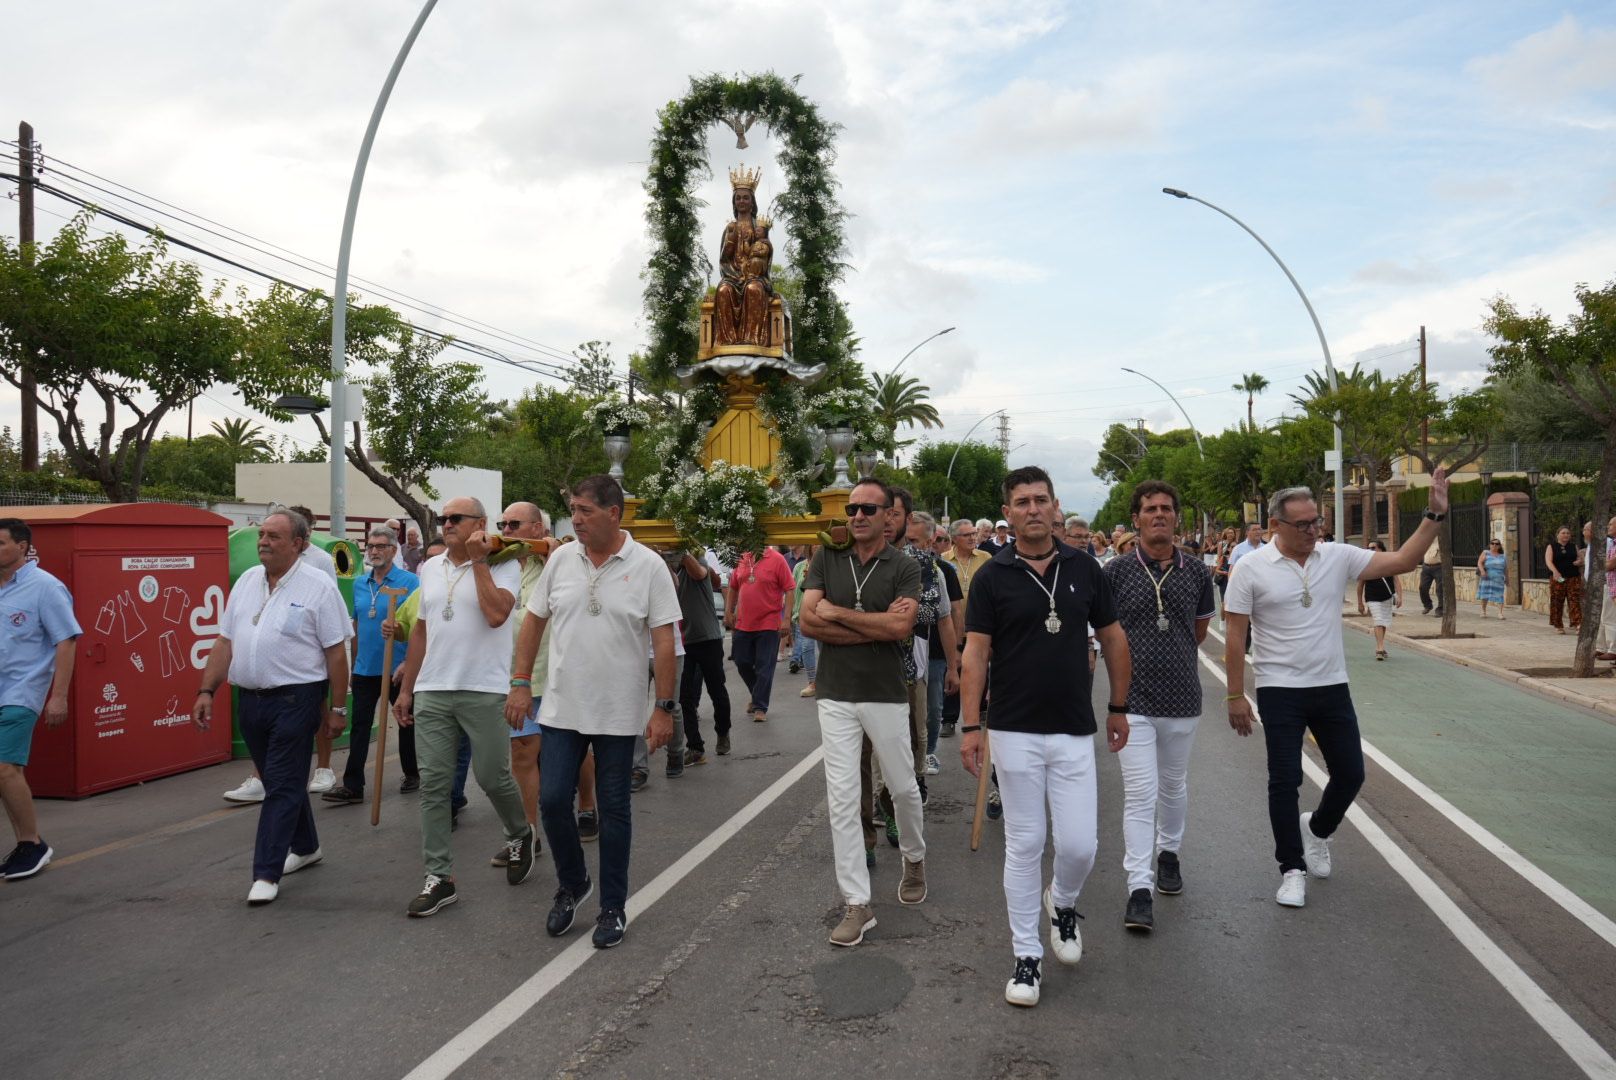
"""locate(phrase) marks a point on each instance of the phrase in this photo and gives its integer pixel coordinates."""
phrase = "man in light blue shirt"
(1251, 543)
(36, 668)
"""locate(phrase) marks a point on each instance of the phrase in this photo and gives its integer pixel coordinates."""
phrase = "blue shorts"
(17, 732)
(532, 725)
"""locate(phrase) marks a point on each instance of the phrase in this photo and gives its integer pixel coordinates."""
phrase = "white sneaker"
(1022, 989)
(296, 862)
(933, 766)
(324, 780)
(1315, 849)
(1292, 889)
(1064, 937)
(251, 790)
(262, 892)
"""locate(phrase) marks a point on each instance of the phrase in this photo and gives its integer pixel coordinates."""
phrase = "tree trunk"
(1593, 572)
(1371, 525)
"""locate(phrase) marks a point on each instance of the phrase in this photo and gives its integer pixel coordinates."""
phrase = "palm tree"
(1251, 386)
(900, 400)
(246, 440)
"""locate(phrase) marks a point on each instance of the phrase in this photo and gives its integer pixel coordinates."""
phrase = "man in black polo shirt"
(1027, 614)
(1165, 603)
(860, 605)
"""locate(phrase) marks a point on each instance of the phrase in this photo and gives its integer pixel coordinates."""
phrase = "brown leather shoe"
(912, 889)
(850, 931)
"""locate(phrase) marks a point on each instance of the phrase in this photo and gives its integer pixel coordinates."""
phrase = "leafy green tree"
(901, 401)
(592, 375)
(1294, 457)
(1251, 385)
(206, 463)
(975, 486)
(286, 346)
(556, 455)
(246, 440)
(1120, 451)
(124, 333)
(1575, 355)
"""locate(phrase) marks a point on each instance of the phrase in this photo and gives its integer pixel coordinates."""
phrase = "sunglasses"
(454, 519)
(1305, 526)
(867, 509)
(506, 526)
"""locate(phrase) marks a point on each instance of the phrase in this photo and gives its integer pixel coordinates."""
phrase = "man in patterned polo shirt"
(1164, 602)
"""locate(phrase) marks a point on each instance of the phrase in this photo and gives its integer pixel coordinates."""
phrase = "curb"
(1528, 682)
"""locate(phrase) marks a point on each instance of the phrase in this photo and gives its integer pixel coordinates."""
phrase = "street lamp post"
(1200, 449)
(1119, 461)
(949, 474)
(339, 294)
(911, 352)
(1329, 365)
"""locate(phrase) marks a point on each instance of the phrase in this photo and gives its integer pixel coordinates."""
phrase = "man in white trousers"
(1164, 602)
(1027, 615)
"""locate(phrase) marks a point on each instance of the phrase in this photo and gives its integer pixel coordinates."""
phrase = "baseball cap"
(1001, 524)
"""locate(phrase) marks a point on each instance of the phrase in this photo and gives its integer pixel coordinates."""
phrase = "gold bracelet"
(1234, 697)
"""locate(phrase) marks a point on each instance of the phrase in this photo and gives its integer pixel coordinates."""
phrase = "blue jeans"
(804, 651)
(755, 653)
(558, 781)
(1288, 713)
(278, 727)
(936, 672)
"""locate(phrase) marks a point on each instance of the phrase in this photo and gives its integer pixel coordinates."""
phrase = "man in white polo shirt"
(283, 644)
(459, 666)
(604, 601)
(1289, 593)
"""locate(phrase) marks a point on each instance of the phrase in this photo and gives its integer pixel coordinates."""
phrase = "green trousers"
(440, 717)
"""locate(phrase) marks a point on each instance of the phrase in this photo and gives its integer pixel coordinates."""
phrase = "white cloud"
(1033, 115)
(1563, 63)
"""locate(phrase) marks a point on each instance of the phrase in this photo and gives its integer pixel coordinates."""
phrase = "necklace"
(1053, 623)
(1302, 575)
(269, 593)
(1035, 558)
(1161, 607)
(450, 583)
(374, 585)
(595, 607)
(858, 585)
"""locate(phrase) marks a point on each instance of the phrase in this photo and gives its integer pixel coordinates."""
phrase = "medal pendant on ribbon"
(751, 579)
(448, 614)
(256, 617)
(1307, 601)
(1053, 623)
(1161, 623)
(594, 607)
(858, 606)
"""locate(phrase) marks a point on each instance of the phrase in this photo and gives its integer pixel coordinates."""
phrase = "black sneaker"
(695, 757)
(438, 892)
(925, 796)
(409, 784)
(343, 794)
(723, 745)
(676, 766)
(609, 928)
(637, 781)
(28, 858)
(588, 826)
(1139, 915)
(995, 808)
(519, 861)
(559, 921)
(794, 667)
(1169, 882)
(948, 731)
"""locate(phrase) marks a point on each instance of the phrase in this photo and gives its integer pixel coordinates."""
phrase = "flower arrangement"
(722, 508)
(614, 416)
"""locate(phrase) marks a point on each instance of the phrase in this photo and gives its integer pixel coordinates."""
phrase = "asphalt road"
(136, 955)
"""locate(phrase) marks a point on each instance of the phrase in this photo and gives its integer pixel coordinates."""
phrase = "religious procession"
(809, 744)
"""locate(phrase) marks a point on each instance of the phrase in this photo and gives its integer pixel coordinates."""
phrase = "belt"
(277, 691)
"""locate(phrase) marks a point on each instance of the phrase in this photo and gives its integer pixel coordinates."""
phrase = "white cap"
(1001, 524)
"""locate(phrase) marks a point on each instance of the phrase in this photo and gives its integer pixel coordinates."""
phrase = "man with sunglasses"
(860, 605)
(1289, 593)
(459, 668)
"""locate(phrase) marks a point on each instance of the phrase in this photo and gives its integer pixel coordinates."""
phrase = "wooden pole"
(384, 706)
(982, 790)
(25, 243)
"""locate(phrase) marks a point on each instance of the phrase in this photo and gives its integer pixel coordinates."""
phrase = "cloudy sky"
(1002, 162)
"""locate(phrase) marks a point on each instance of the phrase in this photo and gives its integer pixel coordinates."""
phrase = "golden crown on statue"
(765, 221)
(745, 178)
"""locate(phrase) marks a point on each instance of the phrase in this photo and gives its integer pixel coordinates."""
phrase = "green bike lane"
(1538, 774)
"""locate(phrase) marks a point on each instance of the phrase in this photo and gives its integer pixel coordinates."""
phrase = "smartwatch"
(667, 705)
(1432, 515)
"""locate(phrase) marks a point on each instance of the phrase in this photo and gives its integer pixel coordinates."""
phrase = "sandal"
(1380, 654)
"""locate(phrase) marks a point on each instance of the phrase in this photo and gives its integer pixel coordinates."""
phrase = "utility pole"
(1425, 424)
(1004, 436)
(25, 240)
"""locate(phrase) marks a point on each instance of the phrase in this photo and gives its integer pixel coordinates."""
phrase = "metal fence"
(1547, 456)
(1469, 529)
(14, 497)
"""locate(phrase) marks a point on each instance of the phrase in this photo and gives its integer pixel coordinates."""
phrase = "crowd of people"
(555, 676)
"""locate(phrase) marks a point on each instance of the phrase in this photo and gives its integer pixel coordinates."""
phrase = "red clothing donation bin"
(149, 582)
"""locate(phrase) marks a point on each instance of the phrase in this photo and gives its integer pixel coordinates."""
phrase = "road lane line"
(480, 1032)
(1574, 905)
(1578, 1045)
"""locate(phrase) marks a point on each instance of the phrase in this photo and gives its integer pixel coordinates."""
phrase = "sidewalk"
(1522, 648)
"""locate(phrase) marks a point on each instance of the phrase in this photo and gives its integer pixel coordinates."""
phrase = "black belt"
(278, 691)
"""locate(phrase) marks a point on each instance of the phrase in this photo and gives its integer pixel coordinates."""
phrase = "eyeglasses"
(506, 526)
(867, 509)
(377, 547)
(1314, 525)
(454, 519)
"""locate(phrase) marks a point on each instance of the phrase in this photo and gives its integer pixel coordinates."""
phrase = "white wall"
(309, 484)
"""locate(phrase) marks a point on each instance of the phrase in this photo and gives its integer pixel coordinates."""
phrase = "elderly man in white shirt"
(604, 601)
(1289, 593)
(283, 644)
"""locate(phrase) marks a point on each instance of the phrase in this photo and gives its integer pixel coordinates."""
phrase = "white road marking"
(1574, 905)
(480, 1032)
(1578, 1045)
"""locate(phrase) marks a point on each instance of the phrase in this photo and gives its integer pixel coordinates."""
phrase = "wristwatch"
(667, 705)
(340, 710)
(1432, 515)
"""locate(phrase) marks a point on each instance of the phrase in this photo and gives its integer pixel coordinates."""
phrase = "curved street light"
(949, 474)
(339, 294)
(911, 352)
(1181, 409)
(1121, 461)
(1329, 365)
